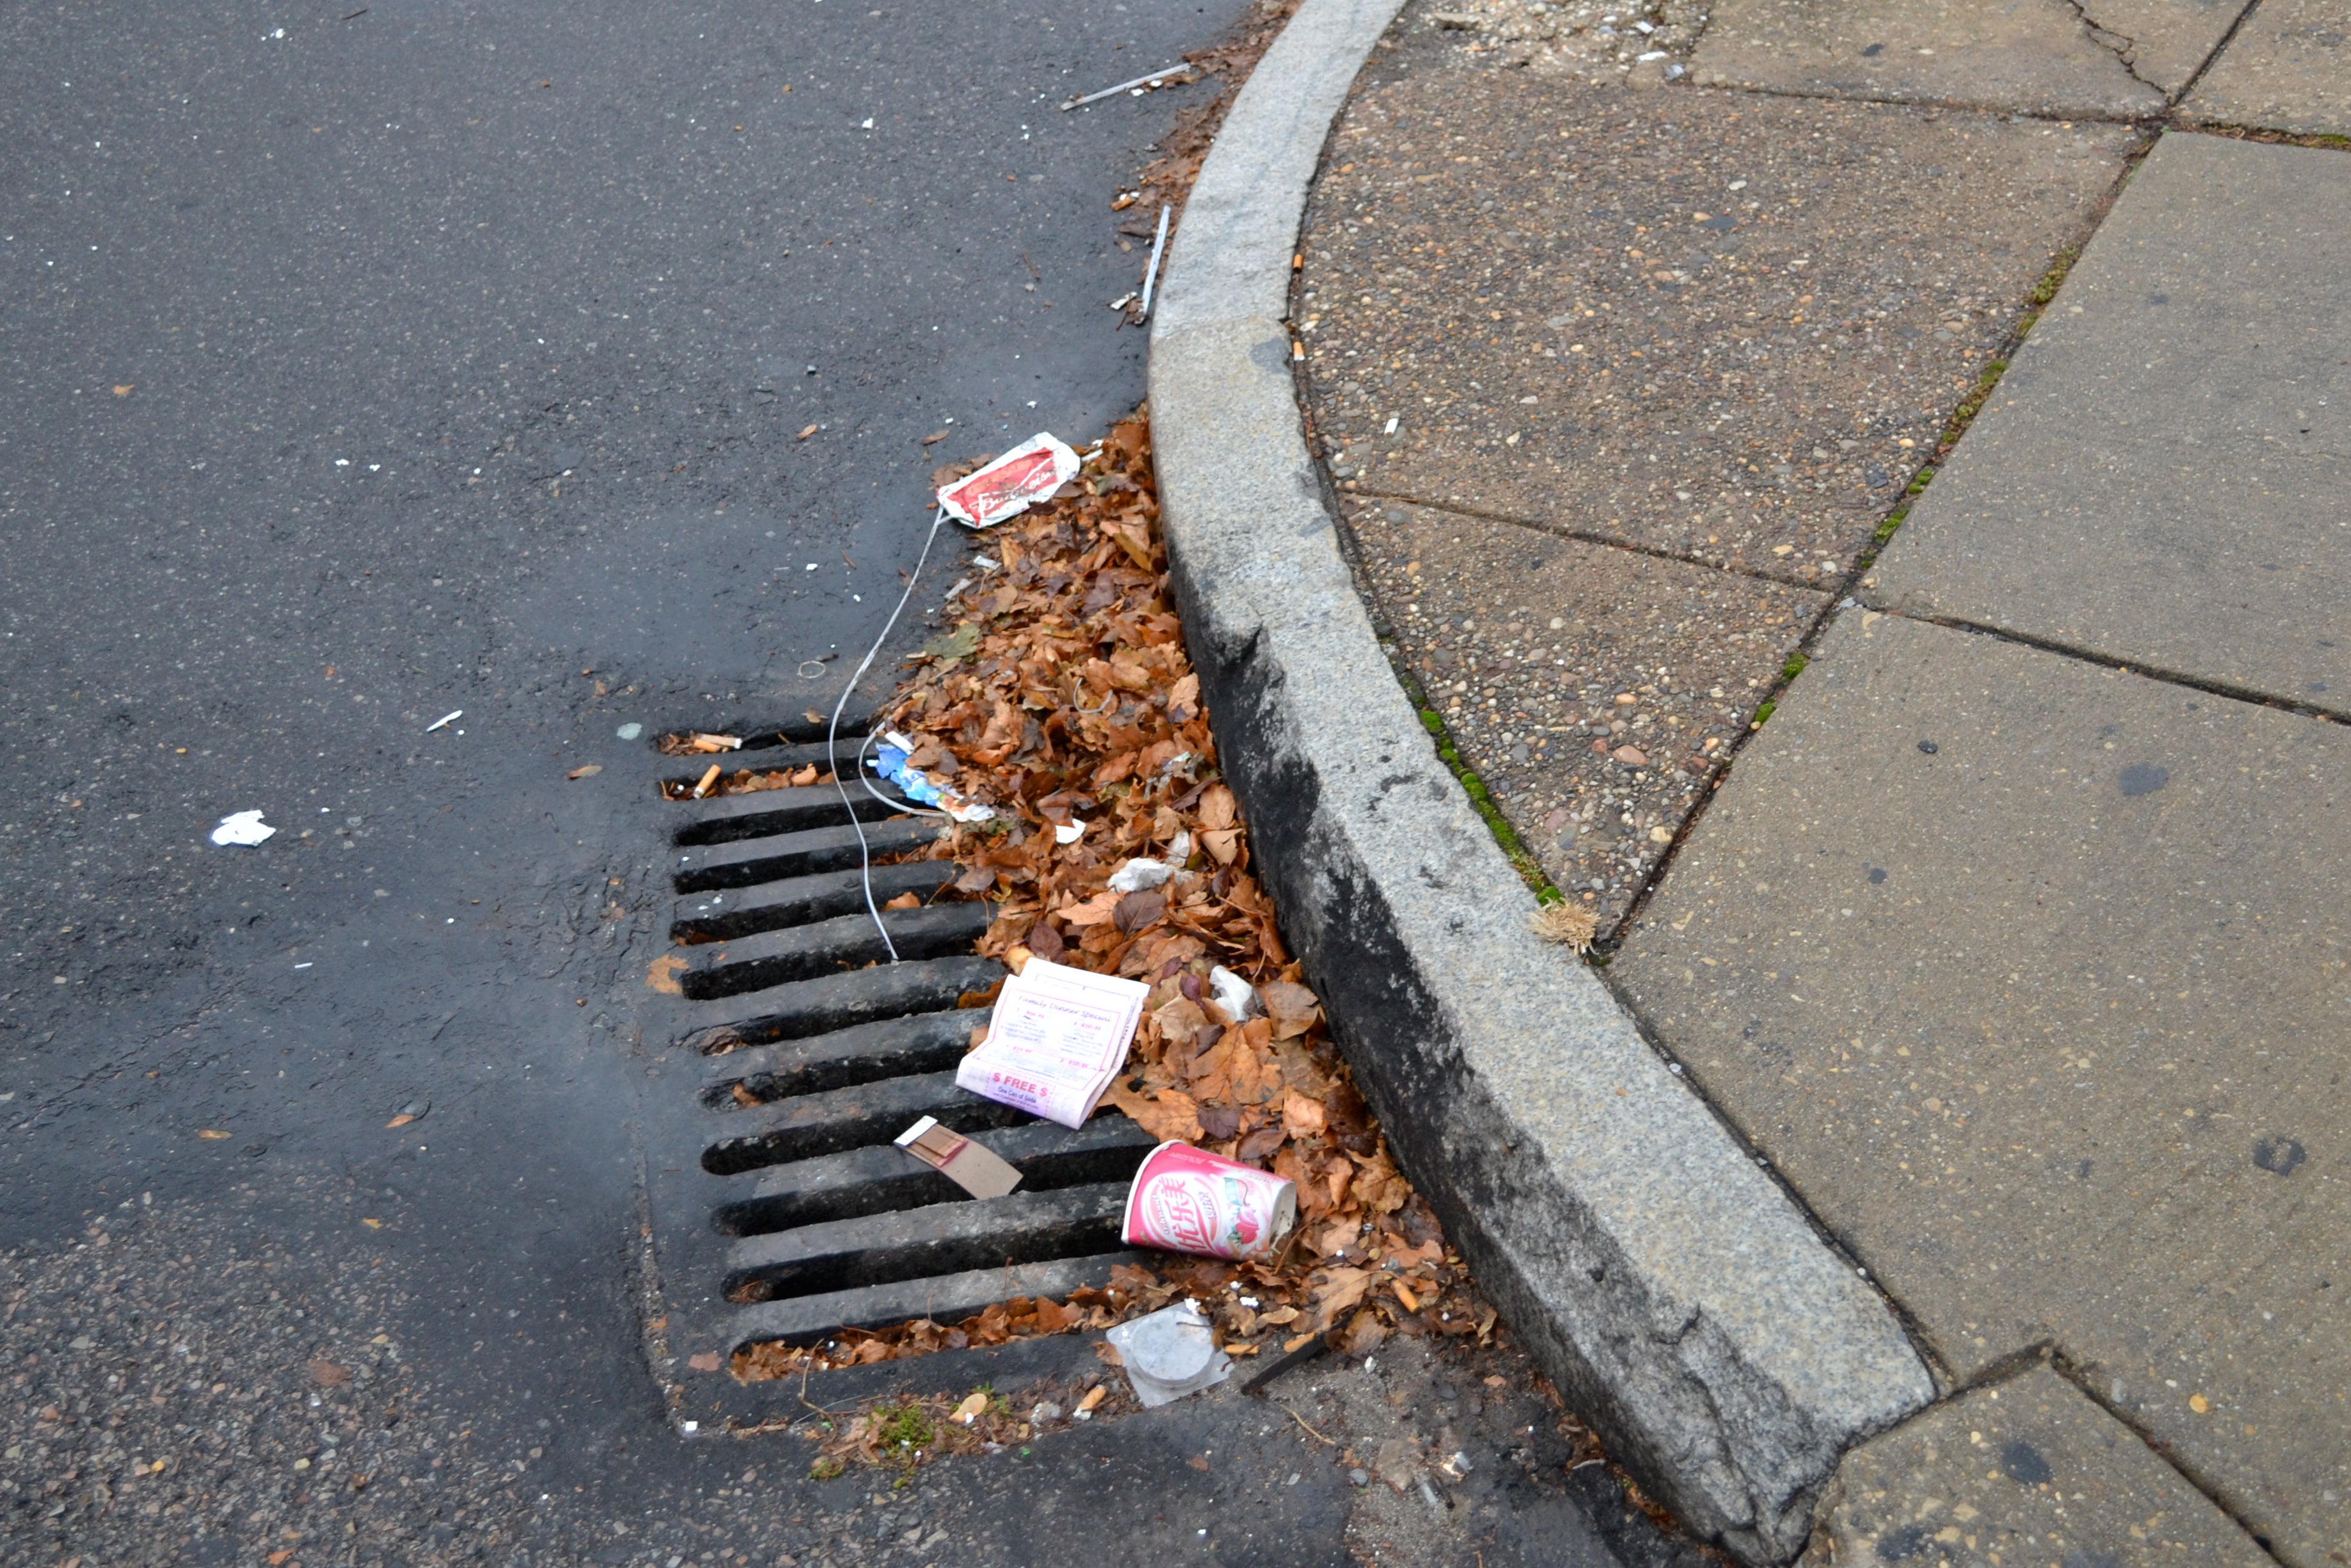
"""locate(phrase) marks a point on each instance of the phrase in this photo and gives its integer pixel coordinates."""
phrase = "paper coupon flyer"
(1058, 1037)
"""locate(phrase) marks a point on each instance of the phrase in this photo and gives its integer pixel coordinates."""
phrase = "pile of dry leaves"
(1068, 704)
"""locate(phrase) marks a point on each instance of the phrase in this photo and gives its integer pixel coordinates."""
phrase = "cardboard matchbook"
(974, 1167)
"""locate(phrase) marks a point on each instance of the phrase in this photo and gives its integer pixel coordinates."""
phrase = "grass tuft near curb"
(1481, 799)
(2036, 302)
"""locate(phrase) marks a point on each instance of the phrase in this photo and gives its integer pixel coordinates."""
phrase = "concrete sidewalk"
(1973, 850)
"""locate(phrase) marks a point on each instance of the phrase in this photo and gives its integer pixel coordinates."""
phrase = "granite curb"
(1681, 1300)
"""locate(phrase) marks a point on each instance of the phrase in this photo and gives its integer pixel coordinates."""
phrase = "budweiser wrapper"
(1012, 484)
(1189, 1200)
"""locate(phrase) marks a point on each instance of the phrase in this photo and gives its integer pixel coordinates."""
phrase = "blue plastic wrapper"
(891, 763)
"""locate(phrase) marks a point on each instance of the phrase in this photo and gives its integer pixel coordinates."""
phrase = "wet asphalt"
(370, 363)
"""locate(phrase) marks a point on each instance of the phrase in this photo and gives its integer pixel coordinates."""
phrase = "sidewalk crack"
(2122, 47)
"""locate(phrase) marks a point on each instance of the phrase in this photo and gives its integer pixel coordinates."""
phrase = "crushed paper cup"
(1189, 1200)
(1012, 484)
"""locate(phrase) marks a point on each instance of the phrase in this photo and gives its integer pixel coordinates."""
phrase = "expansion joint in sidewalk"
(1936, 105)
(1586, 536)
(2325, 141)
(2214, 54)
(1514, 847)
(2052, 1355)
(2203, 683)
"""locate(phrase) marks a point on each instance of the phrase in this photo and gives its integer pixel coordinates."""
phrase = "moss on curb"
(1481, 800)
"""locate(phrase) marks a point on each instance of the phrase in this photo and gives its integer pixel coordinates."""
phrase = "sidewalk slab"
(2047, 1023)
(2030, 1471)
(2026, 57)
(1725, 326)
(2160, 479)
(1549, 656)
(2288, 68)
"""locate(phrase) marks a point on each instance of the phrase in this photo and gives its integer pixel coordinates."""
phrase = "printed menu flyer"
(1058, 1038)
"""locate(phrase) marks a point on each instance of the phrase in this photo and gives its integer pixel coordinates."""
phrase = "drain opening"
(816, 1054)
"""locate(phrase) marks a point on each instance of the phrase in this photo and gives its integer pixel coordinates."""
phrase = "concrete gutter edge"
(1725, 1353)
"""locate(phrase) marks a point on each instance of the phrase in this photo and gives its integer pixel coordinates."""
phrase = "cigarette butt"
(709, 781)
(1297, 261)
(1403, 1293)
(1094, 1397)
(1288, 1346)
(1297, 350)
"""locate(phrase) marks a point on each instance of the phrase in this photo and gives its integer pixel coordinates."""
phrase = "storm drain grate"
(782, 1210)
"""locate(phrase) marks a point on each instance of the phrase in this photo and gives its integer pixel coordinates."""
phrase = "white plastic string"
(833, 731)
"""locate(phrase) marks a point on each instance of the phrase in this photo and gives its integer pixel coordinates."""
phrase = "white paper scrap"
(242, 827)
(1235, 995)
(1140, 874)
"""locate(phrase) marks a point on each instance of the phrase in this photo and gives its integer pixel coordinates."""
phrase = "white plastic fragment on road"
(1158, 249)
(452, 715)
(1170, 1353)
(242, 827)
(630, 731)
(1012, 484)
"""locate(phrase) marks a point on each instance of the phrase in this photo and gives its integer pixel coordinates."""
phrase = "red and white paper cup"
(1189, 1200)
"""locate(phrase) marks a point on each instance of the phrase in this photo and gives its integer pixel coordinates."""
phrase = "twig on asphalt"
(1310, 1432)
(1150, 78)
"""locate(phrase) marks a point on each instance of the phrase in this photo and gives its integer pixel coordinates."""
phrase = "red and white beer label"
(1189, 1200)
(1012, 484)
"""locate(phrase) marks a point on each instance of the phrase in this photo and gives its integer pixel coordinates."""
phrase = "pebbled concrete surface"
(2288, 68)
(1660, 364)
(2031, 56)
(1724, 326)
(1549, 657)
(2158, 480)
(2025, 973)
(2029, 1471)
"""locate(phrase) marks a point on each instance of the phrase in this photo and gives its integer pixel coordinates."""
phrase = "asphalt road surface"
(369, 363)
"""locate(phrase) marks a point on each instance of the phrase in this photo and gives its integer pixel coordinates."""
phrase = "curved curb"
(1677, 1295)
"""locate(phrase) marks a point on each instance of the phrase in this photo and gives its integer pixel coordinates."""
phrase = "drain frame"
(840, 1060)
